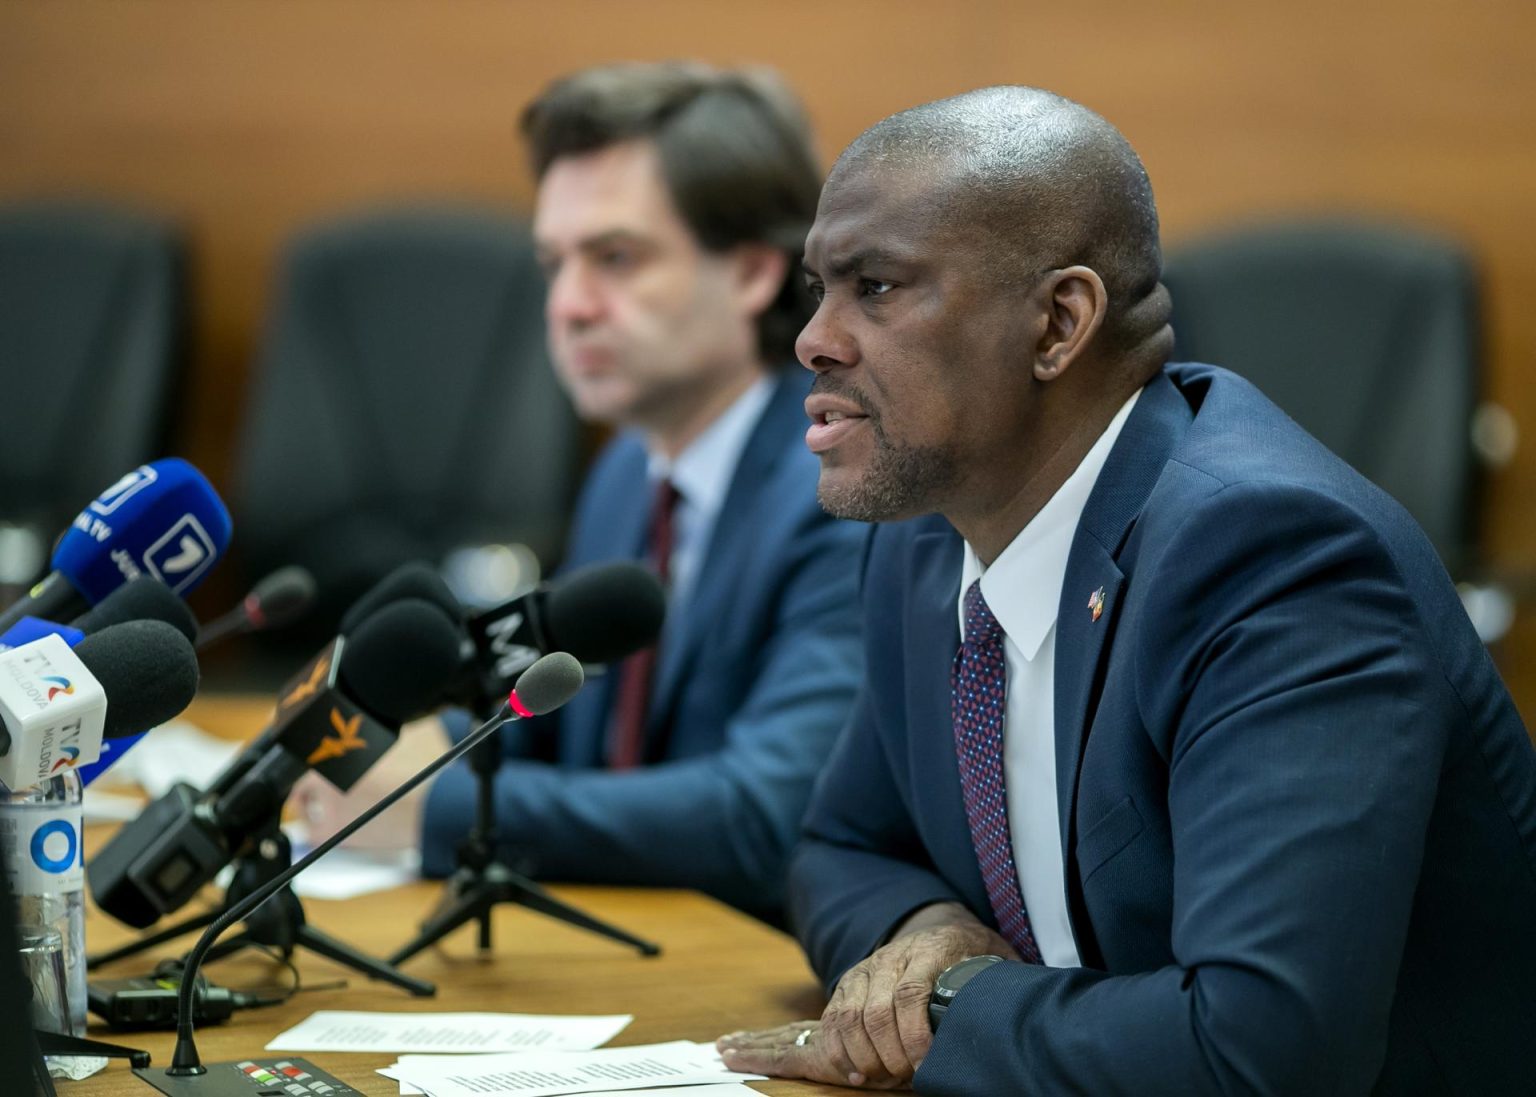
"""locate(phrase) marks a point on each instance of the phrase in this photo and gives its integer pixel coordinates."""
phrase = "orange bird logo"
(310, 687)
(346, 739)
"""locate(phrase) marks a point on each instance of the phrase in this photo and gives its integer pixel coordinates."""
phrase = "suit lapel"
(932, 636)
(1095, 583)
(1092, 580)
(737, 531)
(623, 507)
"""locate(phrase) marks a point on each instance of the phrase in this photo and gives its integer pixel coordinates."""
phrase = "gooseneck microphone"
(543, 687)
(277, 600)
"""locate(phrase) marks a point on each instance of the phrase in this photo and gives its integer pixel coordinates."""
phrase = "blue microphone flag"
(162, 519)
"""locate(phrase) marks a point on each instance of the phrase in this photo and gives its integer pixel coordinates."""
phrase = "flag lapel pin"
(1096, 603)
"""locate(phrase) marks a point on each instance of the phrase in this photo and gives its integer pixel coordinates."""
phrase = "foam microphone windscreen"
(399, 661)
(141, 599)
(413, 580)
(605, 611)
(147, 669)
(549, 683)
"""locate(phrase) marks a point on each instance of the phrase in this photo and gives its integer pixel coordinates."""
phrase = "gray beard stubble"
(902, 481)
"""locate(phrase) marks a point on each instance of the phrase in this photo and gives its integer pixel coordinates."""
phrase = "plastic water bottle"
(40, 833)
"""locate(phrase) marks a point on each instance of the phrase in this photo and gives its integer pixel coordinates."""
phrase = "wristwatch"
(949, 982)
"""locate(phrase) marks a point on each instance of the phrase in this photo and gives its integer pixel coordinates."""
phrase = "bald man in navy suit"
(1178, 768)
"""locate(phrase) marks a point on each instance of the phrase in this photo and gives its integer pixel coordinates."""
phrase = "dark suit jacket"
(1298, 807)
(755, 679)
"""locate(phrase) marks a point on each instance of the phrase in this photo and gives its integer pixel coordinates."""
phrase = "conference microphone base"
(257, 1077)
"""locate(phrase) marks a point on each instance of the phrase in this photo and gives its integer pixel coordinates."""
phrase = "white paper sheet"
(718, 1089)
(340, 1030)
(177, 750)
(547, 1074)
(346, 873)
(724, 1089)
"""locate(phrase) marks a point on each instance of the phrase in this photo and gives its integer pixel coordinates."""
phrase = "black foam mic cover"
(398, 660)
(141, 599)
(604, 612)
(413, 580)
(148, 670)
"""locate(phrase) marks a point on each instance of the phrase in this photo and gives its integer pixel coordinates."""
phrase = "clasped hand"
(874, 1032)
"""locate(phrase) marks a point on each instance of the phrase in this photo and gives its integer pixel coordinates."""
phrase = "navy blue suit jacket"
(755, 678)
(1298, 808)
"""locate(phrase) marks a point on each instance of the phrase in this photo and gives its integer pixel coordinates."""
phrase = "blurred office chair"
(1368, 336)
(91, 324)
(403, 407)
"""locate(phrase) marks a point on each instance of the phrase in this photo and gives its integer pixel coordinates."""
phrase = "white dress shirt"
(702, 475)
(1023, 589)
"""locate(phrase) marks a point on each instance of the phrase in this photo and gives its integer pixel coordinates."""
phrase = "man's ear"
(1074, 301)
(759, 272)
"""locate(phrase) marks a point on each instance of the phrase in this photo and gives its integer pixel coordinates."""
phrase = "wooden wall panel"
(247, 120)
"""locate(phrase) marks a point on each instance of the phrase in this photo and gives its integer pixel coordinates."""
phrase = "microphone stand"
(186, 1075)
(482, 880)
(281, 925)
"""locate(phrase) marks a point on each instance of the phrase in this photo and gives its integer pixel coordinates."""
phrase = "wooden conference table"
(719, 970)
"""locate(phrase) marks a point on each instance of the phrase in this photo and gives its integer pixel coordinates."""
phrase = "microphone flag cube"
(317, 722)
(54, 710)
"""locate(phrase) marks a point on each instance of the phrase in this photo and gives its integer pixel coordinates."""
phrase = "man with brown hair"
(672, 207)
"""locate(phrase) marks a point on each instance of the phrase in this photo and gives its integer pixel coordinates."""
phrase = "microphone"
(412, 580)
(58, 703)
(409, 581)
(543, 687)
(597, 613)
(280, 599)
(337, 716)
(141, 599)
(163, 520)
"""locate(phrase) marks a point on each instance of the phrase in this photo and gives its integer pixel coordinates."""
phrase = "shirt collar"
(1023, 585)
(702, 472)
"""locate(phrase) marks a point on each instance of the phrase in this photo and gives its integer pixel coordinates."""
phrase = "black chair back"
(403, 404)
(1367, 335)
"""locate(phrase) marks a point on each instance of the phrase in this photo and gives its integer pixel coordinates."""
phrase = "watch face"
(951, 979)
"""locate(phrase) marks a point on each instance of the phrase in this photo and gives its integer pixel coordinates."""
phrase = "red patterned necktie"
(636, 675)
(978, 686)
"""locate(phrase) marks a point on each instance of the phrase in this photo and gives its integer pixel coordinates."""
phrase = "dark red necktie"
(979, 690)
(638, 671)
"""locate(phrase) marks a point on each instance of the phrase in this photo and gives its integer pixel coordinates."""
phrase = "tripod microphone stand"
(482, 880)
(280, 924)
